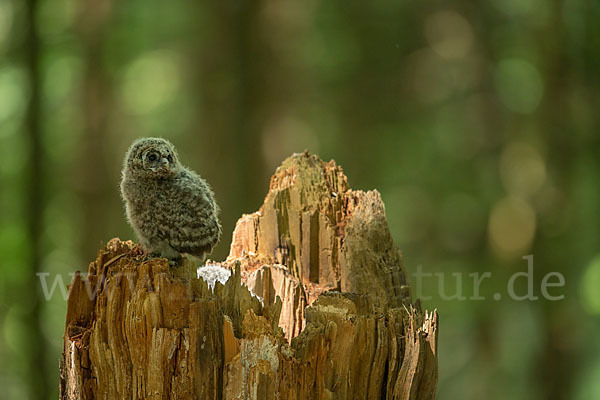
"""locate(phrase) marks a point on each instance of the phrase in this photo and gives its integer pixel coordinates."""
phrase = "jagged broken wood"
(333, 318)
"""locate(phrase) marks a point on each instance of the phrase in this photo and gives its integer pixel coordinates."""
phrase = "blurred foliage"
(475, 120)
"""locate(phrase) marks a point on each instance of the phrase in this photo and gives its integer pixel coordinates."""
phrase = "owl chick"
(170, 207)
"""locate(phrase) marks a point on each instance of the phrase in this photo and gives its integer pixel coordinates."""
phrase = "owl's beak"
(165, 165)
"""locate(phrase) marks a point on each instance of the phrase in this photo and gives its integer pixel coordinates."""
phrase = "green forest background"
(478, 121)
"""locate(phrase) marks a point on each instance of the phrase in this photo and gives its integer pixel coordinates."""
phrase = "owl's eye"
(152, 157)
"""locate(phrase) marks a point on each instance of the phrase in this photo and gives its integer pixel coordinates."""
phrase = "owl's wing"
(195, 228)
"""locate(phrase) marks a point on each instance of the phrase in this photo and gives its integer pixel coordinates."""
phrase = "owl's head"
(153, 158)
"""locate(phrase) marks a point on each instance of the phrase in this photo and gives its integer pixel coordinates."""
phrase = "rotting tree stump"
(317, 307)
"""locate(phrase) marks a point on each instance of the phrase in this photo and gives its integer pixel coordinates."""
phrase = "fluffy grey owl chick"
(171, 208)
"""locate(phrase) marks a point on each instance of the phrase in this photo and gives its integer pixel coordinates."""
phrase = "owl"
(171, 208)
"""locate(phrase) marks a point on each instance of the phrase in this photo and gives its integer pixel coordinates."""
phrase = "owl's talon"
(138, 251)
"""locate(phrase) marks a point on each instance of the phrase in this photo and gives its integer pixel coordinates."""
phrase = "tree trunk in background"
(328, 314)
(94, 186)
(36, 368)
(249, 82)
(556, 366)
(229, 110)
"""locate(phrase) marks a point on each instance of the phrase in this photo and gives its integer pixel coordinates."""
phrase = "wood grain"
(317, 307)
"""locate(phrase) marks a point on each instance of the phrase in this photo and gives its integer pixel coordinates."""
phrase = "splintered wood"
(317, 307)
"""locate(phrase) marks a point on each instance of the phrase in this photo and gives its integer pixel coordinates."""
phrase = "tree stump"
(316, 307)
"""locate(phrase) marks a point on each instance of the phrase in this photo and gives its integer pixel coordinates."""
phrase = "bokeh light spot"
(430, 78)
(150, 82)
(515, 7)
(511, 227)
(519, 85)
(61, 77)
(13, 157)
(522, 169)
(12, 93)
(449, 34)
(14, 332)
(588, 288)
(6, 19)
(56, 16)
(434, 79)
(14, 239)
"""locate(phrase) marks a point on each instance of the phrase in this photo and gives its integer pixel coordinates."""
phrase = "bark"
(317, 307)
